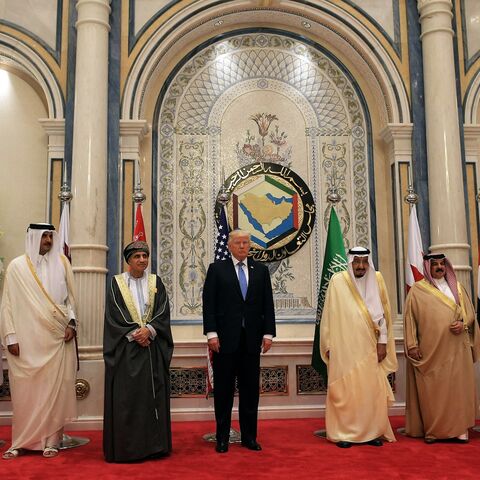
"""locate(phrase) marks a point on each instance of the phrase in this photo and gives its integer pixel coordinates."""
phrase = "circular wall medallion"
(274, 204)
(82, 388)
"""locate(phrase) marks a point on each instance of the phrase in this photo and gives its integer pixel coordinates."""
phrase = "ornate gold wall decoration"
(82, 388)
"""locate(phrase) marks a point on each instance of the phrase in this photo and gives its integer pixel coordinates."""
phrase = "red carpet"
(290, 451)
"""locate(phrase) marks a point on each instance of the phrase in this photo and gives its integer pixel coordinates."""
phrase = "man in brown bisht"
(37, 326)
(441, 345)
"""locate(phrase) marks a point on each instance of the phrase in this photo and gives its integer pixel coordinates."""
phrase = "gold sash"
(56, 308)
(130, 304)
(358, 298)
(443, 298)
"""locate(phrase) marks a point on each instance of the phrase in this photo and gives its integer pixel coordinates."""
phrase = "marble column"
(448, 226)
(89, 170)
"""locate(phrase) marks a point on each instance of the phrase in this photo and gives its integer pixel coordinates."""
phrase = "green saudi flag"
(334, 261)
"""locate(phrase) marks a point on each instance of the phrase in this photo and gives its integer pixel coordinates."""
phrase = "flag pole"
(138, 196)
(65, 196)
(411, 197)
(414, 256)
(334, 260)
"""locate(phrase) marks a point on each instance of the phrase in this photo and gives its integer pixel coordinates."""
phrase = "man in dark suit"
(239, 321)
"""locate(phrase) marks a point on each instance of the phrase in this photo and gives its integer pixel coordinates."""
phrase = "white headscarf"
(367, 285)
(55, 283)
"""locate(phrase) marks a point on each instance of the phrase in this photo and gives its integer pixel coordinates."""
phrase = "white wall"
(23, 163)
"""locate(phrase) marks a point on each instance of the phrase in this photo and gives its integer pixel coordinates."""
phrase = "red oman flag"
(63, 231)
(139, 230)
(414, 263)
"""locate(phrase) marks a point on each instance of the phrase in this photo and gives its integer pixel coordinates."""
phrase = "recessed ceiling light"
(306, 24)
(218, 23)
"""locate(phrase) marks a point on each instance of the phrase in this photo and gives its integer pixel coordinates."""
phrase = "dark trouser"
(245, 366)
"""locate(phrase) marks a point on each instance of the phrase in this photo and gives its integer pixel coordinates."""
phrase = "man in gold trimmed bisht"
(137, 350)
(356, 343)
(37, 325)
(441, 344)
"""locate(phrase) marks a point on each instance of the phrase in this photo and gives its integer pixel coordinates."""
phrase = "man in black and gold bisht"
(137, 350)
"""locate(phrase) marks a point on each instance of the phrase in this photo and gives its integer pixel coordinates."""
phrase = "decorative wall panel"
(256, 98)
(188, 382)
(191, 382)
(274, 380)
(309, 381)
(5, 387)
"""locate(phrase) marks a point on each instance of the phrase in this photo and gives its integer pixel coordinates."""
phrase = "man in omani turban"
(137, 350)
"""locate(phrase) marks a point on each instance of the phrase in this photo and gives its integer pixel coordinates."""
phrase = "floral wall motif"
(191, 225)
(256, 98)
(270, 146)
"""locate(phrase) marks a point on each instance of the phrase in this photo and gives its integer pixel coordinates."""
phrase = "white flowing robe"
(358, 392)
(42, 377)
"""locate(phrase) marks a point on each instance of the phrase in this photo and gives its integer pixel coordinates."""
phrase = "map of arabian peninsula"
(268, 214)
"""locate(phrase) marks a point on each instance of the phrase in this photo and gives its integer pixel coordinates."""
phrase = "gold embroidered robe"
(42, 377)
(358, 392)
(441, 400)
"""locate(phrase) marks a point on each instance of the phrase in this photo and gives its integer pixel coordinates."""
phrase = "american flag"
(221, 249)
(221, 253)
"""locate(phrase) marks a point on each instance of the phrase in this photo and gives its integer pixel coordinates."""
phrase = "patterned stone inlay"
(274, 380)
(309, 381)
(188, 382)
(5, 387)
(391, 380)
(191, 382)
(192, 222)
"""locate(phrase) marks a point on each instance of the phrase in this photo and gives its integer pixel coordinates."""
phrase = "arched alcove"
(25, 167)
(204, 124)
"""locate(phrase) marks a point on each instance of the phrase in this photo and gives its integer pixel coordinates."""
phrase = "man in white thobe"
(37, 325)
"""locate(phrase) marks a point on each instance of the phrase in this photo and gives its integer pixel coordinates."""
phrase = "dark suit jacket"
(224, 307)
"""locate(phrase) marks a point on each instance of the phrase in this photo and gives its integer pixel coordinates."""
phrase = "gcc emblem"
(272, 203)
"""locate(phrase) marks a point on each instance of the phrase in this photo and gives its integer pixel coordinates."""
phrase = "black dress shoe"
(343, 444)
(252, 445)
(376, 442)
(221, 447)
(429, 440)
